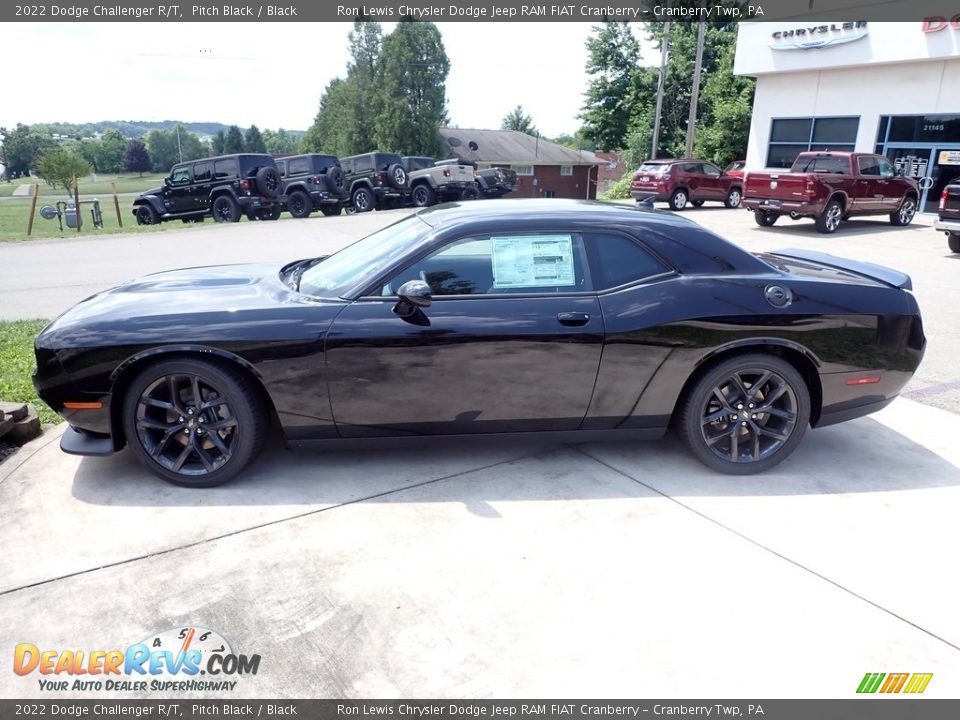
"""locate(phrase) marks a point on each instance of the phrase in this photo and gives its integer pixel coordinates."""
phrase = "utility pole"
(664, 49)
(179, 150)
(695, 93)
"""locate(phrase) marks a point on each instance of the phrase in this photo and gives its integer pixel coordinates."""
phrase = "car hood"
(194, 304)
(151, 191)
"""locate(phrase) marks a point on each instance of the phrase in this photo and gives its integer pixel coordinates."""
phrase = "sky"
(272, 74)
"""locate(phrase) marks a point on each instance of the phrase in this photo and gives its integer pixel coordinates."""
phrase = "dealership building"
(884, 87)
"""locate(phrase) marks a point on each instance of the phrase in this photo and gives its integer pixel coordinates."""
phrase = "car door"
(176, 194)
(712, 187)
(200, 188)
(870, 189)
(511, 342)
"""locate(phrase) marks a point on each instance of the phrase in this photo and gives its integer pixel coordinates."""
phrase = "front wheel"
(225, 209)
(904, 214)
(953, 240)
(194, 423)
(299, 204)
(746, 414)
(146, 215)
(733, 198)
(678, 201)
(829, 220)
(764, 218)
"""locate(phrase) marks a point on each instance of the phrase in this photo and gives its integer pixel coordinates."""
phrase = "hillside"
(137, 128)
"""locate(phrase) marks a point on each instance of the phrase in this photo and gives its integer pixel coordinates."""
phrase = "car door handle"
(573, 319)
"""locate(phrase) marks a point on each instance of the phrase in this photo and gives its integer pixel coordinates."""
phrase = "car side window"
(226, 168)
(180, 176)
(869, 166)
(617, 260)
(503, 263)
(711, 170)
(299, 166)
(886, 169)
(202, 172)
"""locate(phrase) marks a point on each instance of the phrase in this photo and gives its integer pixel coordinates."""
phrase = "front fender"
(154, 201)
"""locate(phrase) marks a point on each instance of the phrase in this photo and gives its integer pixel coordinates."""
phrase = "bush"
(620, 190)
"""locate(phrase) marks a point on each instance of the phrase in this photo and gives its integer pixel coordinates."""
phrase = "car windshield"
(361, 262)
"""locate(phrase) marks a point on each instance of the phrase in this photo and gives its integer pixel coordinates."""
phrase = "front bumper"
(950, 226)
(78, 442)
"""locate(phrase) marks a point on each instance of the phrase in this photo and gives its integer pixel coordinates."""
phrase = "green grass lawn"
(17, 364)
(7, 188)
(15, 212)
(126, 183)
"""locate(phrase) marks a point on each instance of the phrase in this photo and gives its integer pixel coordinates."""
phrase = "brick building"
(544, 169)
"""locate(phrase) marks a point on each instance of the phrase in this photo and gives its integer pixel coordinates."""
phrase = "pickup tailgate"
(950, 203)
(879, 273)
(785, 186)
(459, 173)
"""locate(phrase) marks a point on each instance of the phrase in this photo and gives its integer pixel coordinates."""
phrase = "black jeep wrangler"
(376, 180)
(313, 182)
(223, 186)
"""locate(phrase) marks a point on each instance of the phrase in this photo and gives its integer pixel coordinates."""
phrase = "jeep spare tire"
(397, 176)
(335, 180)
(268, 182)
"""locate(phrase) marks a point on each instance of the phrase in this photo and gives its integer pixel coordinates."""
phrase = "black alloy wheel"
(193, 423)
(225, 209)
(745, 415)
(422, 196)
(146, 215)
(298, 204)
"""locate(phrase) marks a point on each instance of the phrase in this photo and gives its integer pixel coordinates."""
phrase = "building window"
(523, 169)
(566, 170)
(791, 136)
(922, 128)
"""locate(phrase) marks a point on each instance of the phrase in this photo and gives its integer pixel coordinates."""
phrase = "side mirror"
(413, 294)
(898, 172)
(166, 181)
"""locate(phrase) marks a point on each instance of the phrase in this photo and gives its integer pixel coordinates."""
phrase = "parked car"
(313, 182)
(948, 218)
(376, 180)
(494, 182)
(735, 169)
(430, 181)
(572, 318)
(223, 186)
(831, 187)
(683, 182)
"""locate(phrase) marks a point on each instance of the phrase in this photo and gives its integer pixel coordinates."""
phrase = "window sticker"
(523, 261)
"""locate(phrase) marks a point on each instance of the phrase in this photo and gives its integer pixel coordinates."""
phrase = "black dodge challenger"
(584, 320)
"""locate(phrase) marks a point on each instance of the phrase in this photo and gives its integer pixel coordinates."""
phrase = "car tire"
(225, 209)
(146, 215)
(829, 220)
(905, 213)
(765, 218)
(168, 427)
(470, 192)
(953, 241)
(733, 198)
(336, 182)
(298, 204)
(423, 196)
(331, 210)
(697, 203)
(720, 428)
(397, 176)
(678, 201)
(363, 200)
(268, 182)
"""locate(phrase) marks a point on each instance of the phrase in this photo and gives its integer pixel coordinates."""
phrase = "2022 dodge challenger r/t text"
(581, 319)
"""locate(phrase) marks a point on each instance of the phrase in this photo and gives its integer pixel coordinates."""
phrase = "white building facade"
(890, 88)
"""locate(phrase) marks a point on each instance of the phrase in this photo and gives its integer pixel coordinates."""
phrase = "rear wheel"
(764, 218)
(194, 423)
(298, 204)
(272, 213)
(829, 220)
(268, 182)
(953, 240)
(362, 200)
(904, 214)
(678, 201)
(733, 198)
(746, 414)
(470, 192)
(146, 215)
(225, 209)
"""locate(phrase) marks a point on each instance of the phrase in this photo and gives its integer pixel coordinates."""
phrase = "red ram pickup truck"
(949, 216)
(830, 187)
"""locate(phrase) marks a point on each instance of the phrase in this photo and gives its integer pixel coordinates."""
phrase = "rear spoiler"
(888, 276)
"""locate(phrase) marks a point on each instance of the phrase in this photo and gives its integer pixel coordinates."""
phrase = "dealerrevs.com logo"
(179, 659)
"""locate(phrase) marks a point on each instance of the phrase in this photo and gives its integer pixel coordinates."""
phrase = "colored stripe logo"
(894, 682)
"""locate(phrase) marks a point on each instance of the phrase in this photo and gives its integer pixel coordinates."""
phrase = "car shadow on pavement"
(804, 227)
(862, 456)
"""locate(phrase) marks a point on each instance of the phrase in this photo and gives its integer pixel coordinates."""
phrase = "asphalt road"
(41, 278)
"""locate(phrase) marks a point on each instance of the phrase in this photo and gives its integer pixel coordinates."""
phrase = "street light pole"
(664, 49)
(695, 92)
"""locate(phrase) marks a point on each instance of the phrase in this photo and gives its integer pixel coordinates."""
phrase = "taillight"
(810, 186)
(943, 201)
(245, 185)
(378, 177)
(317, 179)
(446, 173)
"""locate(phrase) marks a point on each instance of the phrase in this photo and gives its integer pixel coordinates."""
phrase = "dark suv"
(680, 182)
(223, 186)
(376, 180)
(313, 182)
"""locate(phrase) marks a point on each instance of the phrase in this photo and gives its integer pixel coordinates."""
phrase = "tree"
(135, 157)
(413, 69)
(516, 119)
(109, 152)
(233, 143)
(280, 142)
(253, 141)
(331, 132)
(168, 147)
(612, 57)
(58, 166)
(726, 110)
(22, 146)
(219, 141)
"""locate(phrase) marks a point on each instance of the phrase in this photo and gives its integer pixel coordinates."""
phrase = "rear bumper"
(645, 194)
(950, 226)
(256, 203)
(781, 206)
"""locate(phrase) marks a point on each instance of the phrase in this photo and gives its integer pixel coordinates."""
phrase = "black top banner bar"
(186, 709)
(480, 11)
